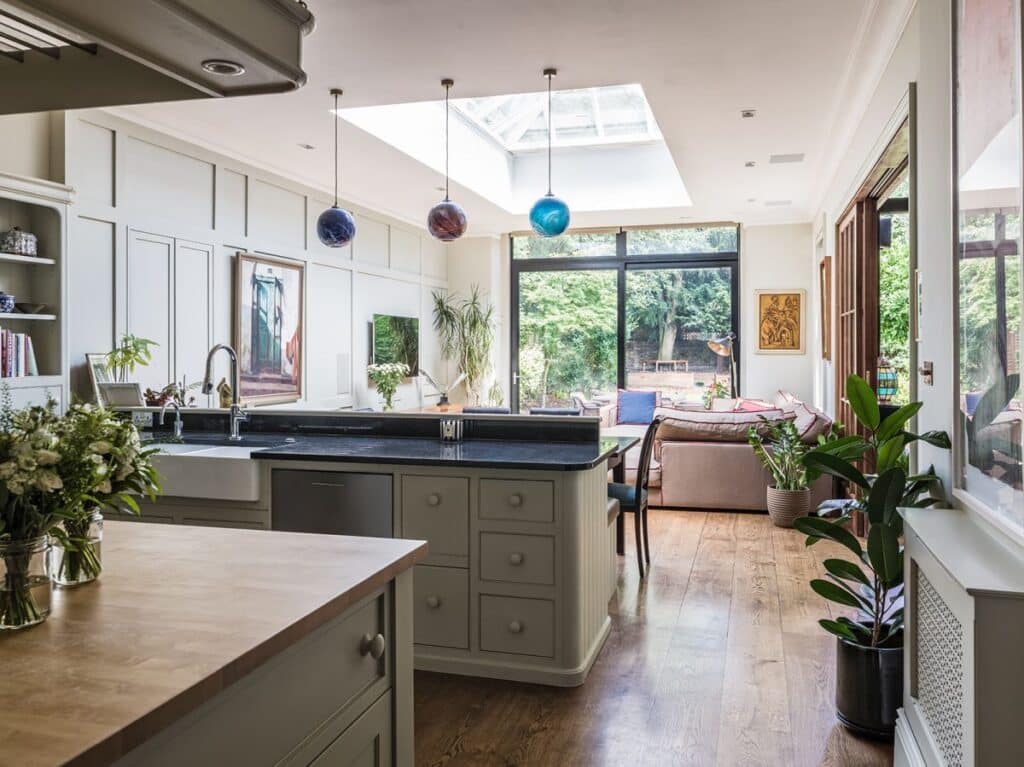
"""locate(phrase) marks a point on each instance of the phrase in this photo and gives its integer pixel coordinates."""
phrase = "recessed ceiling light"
(778, 159)
(306, 146)
(748, 113)
(749, 164)
(223, 67)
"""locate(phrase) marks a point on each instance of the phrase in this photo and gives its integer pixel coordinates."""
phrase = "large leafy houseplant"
(869, 665)
(466, 329)
(780, 450)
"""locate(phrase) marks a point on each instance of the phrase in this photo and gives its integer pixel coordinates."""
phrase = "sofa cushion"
(705, 426)
(785, 400)
(753, 406)
(636, 406)
(810, 422)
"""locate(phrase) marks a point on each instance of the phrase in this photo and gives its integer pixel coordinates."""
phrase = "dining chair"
(633, 498)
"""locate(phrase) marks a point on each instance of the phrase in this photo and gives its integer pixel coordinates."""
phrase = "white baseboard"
(905, 750)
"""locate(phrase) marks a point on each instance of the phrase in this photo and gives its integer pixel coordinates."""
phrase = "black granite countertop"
(549, 456)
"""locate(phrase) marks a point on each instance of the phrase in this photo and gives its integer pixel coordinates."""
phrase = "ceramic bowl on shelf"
(28, 308)
(6, 303)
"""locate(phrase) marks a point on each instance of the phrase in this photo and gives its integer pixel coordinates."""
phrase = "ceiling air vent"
(782, 159)
(74, 54)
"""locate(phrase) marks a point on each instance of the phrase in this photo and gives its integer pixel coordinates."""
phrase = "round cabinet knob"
(515, 627)
(373, 646)
(433, 499)
(515, 558)
(515, 500)
(433, 602)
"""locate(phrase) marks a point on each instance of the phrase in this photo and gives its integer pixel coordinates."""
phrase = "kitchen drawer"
(517, 558)
(436, 509)
(366, 742)
(517, 500)
(441, 611)
(332, 502)
(519, 626)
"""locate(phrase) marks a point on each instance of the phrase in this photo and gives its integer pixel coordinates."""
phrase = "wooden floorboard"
(716, 659)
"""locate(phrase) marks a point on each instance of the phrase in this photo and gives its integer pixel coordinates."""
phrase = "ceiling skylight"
(616, 114)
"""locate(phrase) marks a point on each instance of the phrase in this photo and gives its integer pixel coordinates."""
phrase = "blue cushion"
(637, 406)
(624, 494)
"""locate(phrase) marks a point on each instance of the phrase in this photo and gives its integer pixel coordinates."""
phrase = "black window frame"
(621, 262)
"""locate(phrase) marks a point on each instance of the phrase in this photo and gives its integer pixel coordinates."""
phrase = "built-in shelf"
(14, 258)
(18, 316)
(17, 382)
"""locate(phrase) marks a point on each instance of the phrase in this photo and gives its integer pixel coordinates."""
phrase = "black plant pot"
(869, 687)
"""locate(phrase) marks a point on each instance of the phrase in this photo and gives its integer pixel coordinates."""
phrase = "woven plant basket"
(787, 506)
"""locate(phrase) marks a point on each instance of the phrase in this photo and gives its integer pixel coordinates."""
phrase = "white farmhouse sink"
(201, 471)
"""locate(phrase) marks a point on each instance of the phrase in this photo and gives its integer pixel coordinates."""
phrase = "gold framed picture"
(781, 324)
(825, 291)
(269, 310)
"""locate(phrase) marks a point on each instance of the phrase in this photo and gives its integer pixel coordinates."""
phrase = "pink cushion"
(785, 400)
(753, 406)
(707, 426)
(810, 422)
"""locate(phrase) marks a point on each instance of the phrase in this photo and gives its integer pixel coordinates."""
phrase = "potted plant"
(466, 328)
(778, 445)
(443, 402)
(386, 376)
(132, 352)
(869, 641)
(103, 465)
(715, 390)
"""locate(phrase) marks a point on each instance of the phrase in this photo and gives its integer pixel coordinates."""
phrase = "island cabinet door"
(436, 509)
(366, 742)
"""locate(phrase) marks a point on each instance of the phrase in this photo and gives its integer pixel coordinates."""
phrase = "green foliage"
(877, 592)
(466, 329)
(781, 451)
(894, 305)
(717, 390)
(386, 376)
(132, 352)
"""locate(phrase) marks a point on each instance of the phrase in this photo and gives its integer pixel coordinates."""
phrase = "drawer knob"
(433, 602)
(373, 646)
(515, 500)
(433, 499)
(515, 558)
(515, 627)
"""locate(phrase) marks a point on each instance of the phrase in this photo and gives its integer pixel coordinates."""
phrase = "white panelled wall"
(154, 231)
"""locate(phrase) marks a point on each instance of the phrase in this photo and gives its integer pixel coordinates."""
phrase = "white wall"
(774, 257)
(25, 145)
(154, 230)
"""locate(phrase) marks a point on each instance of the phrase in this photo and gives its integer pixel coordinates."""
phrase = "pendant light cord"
(336, 118)
(447, 88)
(549, 133)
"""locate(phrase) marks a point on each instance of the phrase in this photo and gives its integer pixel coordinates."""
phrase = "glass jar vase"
(25, 584)
(79, 559)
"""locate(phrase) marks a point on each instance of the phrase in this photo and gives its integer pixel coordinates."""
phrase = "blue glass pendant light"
(446, 220)
(549, 216)
(336, 227)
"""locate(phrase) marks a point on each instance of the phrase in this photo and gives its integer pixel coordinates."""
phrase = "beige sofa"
(716, 471)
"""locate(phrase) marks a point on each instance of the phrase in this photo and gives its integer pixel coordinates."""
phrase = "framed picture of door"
(269, 308)
(781, 324)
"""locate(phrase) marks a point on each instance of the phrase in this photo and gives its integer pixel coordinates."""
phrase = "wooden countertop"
(179, 614)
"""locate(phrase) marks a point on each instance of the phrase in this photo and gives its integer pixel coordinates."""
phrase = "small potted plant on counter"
(386, 376)
(103, 465)
(869, 640)
(778, 446)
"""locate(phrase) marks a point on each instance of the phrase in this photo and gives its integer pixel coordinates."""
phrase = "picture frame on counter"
(113, 394)
(99, 373)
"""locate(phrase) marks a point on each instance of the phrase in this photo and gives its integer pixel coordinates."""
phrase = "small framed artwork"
(780, 321)
(268, 328)
(121, 395)
(99, 373)
(825, 291)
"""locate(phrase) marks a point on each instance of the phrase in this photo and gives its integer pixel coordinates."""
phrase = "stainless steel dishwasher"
(333, 502)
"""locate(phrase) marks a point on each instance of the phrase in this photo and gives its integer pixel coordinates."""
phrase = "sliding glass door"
(593, 312)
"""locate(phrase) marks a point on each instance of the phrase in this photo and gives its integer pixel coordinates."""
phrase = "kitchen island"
(521, 559)
(214, 646)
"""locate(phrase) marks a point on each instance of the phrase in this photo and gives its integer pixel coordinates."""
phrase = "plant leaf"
(835, 593)
(894, 422)
(886, 494)
(889, 453)
(839, 629)
(933, 438)
(863, 401)
(836, 466)
(884, 552)
(816, 527)
(842, 568)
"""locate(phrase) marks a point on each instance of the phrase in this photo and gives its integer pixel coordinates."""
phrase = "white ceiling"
(699, 62)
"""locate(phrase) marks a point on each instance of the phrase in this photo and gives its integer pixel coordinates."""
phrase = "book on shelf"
(17, 355)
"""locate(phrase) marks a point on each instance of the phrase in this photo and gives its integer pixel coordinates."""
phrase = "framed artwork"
(269, 308)
(99, 373)
(825, 291)
(120, 395)
(780, 321)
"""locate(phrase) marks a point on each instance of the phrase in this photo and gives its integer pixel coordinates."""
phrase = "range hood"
(72, 54)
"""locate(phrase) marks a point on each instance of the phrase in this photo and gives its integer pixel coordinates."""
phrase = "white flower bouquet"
(386, 376)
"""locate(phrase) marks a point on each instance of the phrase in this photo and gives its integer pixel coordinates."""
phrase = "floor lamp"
(723, 348)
